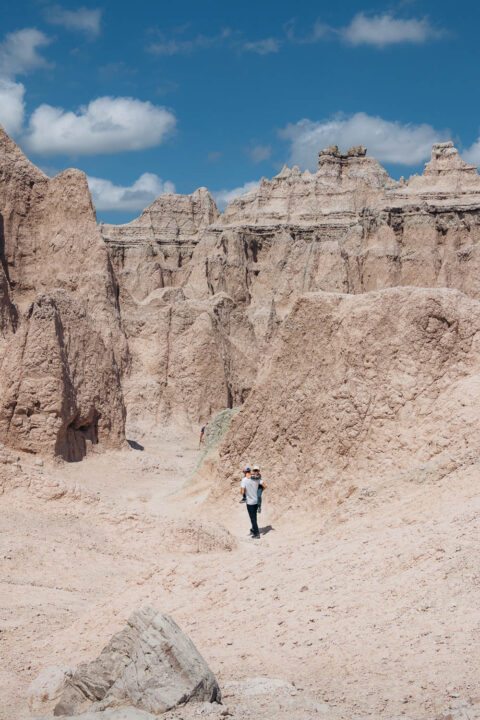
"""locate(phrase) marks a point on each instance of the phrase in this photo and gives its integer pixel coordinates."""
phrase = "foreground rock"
(150, 665)
(125, 713)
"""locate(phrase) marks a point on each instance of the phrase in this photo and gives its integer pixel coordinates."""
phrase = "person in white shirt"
(242, 484)
(251, 494)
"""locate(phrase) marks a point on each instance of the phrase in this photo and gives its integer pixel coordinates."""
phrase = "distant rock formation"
(188, 301)
(347, 228)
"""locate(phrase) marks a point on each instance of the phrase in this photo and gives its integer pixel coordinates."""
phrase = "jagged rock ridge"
(347, 228)
(61, 342)
(182, 304)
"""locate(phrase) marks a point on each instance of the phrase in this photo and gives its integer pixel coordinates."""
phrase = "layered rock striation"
(183, 303)
(347, 228)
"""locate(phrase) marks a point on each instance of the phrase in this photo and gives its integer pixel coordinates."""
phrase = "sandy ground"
(367, 610)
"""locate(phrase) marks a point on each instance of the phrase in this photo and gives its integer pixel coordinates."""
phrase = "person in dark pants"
(256, 475)
(251, 493)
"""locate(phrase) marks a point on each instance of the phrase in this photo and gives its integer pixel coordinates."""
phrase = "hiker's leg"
(252, 511)
(259, 497)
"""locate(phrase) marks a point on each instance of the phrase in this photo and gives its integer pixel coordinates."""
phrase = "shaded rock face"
(150, 665)
(375, 378)
(59, 384)
(190, 358)
(61, 341)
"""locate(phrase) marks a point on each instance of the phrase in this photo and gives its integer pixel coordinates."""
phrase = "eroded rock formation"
(347, 228)
(61, 342)
(188, 301)
(59, 384)
(383, 383)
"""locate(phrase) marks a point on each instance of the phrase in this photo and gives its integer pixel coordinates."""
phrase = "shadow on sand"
(265, 530)
(134, 445)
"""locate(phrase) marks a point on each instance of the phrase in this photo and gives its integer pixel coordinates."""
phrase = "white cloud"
(12, 106)
(18, 55)
(136, 197)
(387, 141)
(174, 46)
(258, 153)
(263, 47)
(383, 30)
(19, 52)
(223, 197)
(472, 154)
(82, 19)
(106, 125)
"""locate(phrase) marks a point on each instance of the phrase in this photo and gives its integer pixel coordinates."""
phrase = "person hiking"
(242, 485)
(202, 434)
(251, 494)
(256, 475)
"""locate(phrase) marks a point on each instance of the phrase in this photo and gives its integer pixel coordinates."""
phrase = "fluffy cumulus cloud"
(19, 54)
(105, 125)
(12, 106)
(82, 19)
(388, 142)
(472, 154)
(107, 196)
(383, 30)
(223, 197)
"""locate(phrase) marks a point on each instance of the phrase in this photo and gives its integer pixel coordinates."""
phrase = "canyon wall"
(347, 228)
(170, 317)
(62, 347)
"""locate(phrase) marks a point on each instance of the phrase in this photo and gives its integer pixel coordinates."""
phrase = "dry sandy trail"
(370, 608)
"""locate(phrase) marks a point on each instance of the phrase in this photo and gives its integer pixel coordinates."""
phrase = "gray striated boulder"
(150, 665)
(125, 713)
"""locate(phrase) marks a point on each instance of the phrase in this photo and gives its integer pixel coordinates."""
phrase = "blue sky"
(151, 97)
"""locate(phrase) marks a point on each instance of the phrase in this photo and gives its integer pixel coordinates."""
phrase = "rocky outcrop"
(45, 690)
(374, 379)
(148, 251)
(191, 358)
(150, 665)
(61, 342)
(49, 237)
(189, 301)
(59, 384)
(347, 228)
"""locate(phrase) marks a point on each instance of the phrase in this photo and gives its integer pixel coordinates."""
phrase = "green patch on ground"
(215, 432)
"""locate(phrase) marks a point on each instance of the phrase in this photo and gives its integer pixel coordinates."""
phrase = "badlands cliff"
(180, 307)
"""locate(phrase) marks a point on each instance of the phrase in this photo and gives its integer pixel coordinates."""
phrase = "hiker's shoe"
(251, 532)
(256, 537)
